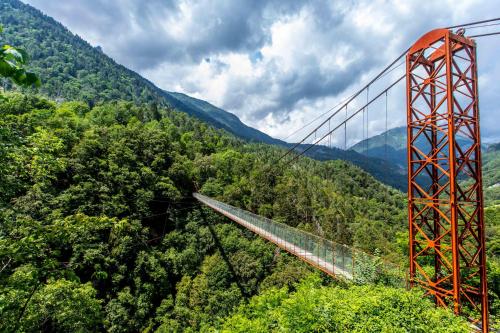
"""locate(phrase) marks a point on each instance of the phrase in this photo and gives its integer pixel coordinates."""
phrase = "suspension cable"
(378, 76)
(367, 122)
(483, 26)
(384, 72)
(349, 118)
(483, 35)
(385, 133)
(345, 132)
(473, 23)
(318, 117)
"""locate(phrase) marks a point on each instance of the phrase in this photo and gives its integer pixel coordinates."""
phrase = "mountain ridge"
(72, 69)
(226, 120)
(48, 41)
(391, 145)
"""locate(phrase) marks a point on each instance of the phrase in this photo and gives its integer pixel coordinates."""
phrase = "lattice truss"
(447, 254)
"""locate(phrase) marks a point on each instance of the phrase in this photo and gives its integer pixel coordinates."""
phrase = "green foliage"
(56, 305)
(313, 308)
(97, 205)
(12, 62)
(492, 220)
(491, 174)
(99, 201)
(63, 305)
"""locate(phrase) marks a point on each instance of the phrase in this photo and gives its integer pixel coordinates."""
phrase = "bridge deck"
(333, 259)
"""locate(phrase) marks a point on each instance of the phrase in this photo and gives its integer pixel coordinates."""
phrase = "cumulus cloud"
(276, 64)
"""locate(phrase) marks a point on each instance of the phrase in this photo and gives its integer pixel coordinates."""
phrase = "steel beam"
(445, 199)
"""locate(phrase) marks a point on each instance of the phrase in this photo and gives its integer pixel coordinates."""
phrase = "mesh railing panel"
(333, 258)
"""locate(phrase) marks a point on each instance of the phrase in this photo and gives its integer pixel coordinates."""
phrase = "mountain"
(383, 170)
(390, 146)
(491, 174)
(217, 117)
(491, 165)
(72, 69)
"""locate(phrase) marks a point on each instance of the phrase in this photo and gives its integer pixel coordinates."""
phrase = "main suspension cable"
(347, 119)
(473, 23)
(384, 72)
(484, 35)
(378, 76)
(483, 26)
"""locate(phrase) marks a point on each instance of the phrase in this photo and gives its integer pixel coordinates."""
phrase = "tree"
(316, 308)
(12, 62)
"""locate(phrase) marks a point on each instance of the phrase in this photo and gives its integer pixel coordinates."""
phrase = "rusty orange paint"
(445, 217)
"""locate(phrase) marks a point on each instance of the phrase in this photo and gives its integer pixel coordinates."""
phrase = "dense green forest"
(491, 175)
(68, 66)
(99, 230)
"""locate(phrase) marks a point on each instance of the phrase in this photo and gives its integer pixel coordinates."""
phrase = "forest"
(100, 232)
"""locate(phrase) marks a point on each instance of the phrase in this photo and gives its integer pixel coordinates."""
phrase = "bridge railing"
(331, 257)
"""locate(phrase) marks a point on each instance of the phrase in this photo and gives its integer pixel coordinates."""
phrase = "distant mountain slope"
(390, 146)
(383, 170)
(491, 174)
(71, 69)
(223, 119)
(491, 165)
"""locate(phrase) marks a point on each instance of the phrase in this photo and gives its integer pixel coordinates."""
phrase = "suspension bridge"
(445, 216)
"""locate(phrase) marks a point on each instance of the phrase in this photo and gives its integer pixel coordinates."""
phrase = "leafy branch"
(12, 66)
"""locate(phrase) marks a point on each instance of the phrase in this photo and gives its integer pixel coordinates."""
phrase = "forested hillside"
(491, 174)
(99, 230)
(71, 69)
(390, 146)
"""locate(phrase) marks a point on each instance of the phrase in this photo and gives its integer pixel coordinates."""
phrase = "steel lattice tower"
(445, 197)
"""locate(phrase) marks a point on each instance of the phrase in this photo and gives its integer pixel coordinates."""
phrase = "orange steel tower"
(445, 197)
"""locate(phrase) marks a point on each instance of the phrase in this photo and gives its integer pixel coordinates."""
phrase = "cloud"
(146, 33)
(276, 64)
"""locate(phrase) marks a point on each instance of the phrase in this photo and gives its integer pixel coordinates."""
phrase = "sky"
(278, 64)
